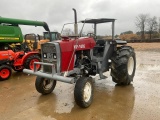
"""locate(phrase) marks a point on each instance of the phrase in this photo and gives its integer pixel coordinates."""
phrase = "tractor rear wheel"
(44, 85)
(29, 63)
(83, 92)
(123, 65)
(5, 72)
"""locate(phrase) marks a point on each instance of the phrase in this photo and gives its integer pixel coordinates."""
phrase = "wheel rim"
(5, 73)
(47, 84)
(130, 65)
(31, 65)
(87, 92)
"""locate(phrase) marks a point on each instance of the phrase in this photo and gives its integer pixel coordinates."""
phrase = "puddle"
(148, 67)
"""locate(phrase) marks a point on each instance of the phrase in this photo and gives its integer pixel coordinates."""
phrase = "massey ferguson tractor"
(76, 59)
(12, 54)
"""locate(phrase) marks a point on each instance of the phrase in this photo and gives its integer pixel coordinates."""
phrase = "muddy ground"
(19, 99)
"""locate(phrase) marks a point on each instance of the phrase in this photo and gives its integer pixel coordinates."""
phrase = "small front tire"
(83, 92)
(5, 72)
(44, 85)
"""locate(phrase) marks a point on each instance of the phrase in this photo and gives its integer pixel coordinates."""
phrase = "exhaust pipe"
(75, 24)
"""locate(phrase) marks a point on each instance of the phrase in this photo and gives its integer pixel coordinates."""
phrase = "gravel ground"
(19, 99)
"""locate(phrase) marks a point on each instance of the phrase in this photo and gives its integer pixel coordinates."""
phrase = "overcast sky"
(58, 12)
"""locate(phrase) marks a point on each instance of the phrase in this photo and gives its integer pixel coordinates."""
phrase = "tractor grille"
(48, 48)
(49, 55)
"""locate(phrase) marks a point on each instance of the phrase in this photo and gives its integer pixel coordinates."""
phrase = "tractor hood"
(83, 43)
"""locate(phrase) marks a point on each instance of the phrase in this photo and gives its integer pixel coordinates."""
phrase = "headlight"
(45, 55)
(54, 56)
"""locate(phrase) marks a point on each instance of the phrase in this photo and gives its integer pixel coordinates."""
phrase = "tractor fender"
(28, 55)
(121, 42)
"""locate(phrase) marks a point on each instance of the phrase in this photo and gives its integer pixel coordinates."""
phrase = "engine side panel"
(68, 49)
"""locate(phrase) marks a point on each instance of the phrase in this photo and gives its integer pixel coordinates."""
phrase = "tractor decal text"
(5, 54)
(79, 46)
(8, 38)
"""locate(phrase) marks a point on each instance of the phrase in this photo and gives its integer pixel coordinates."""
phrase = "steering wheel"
(92, 35)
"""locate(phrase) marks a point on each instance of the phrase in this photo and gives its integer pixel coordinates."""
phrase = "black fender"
(120, 42)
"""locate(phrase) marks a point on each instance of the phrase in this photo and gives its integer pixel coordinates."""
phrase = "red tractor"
(14, 53)
(17, 61)
(76, 59)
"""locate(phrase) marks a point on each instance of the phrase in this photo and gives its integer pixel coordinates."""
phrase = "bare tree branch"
(152, 25)
(141, 22)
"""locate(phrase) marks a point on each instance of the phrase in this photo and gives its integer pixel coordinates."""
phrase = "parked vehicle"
(75, 59)
(14, 52)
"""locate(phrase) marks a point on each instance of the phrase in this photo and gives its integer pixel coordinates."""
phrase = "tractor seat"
(99, 48)
(100, 42)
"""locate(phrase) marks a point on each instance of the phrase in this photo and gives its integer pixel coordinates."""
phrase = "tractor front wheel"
(5, 72)
(44, 85)
(29, 63)
(83, 92)
(123, 65)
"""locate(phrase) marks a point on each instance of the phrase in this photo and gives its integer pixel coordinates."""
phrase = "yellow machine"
(33, 42)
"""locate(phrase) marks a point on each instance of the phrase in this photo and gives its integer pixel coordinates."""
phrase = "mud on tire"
(30, 60)
(44, 85)
(83, 92)
(123, 65)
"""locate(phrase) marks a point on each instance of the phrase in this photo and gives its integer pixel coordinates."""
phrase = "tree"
(127, 32)
(159, 27)
(67, 32)
(152, 25)
(141, 22)
(116, 36)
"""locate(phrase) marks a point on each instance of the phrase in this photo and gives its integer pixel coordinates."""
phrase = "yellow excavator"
(33, 42)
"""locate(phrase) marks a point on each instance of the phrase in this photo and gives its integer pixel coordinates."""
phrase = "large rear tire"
(29, 63)
(5, 72)
(123, 65)
(44, 85)
(83, 92)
